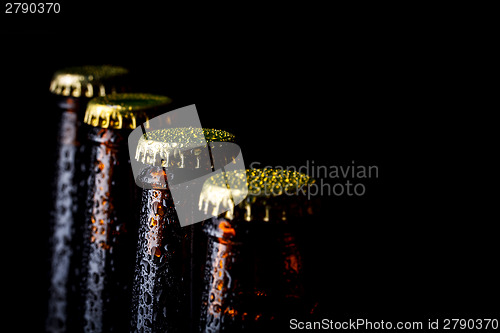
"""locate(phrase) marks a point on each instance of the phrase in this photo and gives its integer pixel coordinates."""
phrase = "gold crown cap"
(223, 189)
(125, 110)
(160, 143)
(88, 81)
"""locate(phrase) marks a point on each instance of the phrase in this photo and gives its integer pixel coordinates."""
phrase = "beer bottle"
(168, 266)
(253, 270)
(110, 228)
(72, 88)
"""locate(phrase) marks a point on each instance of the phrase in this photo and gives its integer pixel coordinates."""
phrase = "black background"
(391, 87)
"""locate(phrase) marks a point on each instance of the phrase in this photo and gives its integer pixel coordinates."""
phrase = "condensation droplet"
(147, 298)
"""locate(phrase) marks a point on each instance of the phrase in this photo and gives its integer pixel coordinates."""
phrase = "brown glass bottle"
(110, 228)
(168, 266)
(72, 88)
(253, 270)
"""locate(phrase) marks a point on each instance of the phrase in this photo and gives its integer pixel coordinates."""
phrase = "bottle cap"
(266, 187)
(88, 81)
(260, 182)
(159, 145)
(126, 110)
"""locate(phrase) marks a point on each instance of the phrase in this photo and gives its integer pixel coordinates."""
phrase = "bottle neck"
(72, 104)
(114, 138)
